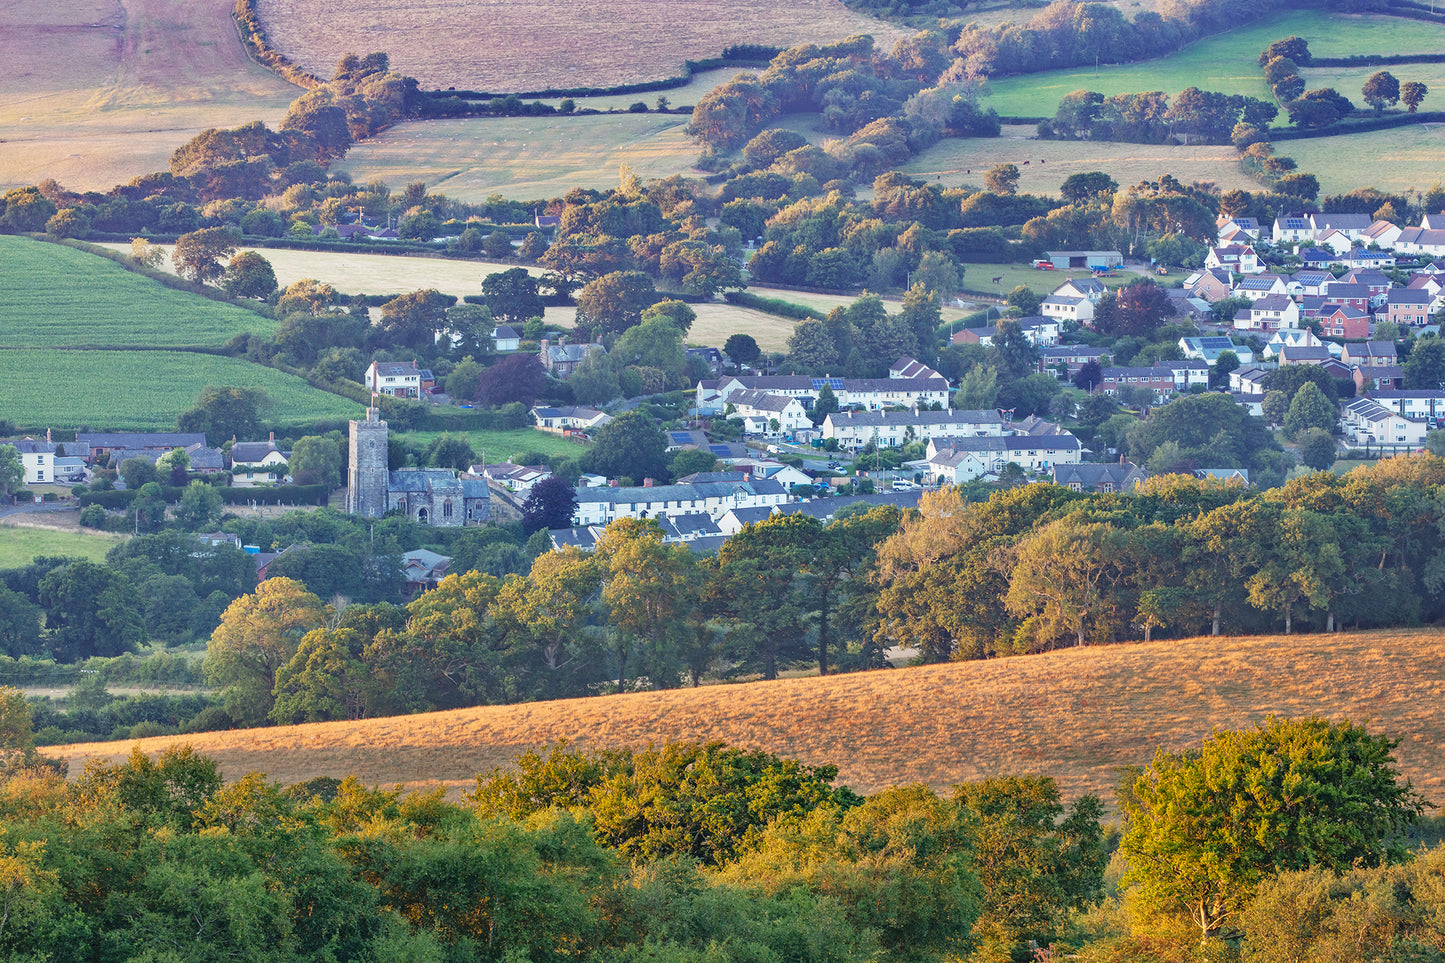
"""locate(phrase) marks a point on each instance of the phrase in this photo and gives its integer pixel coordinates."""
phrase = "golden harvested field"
(524, 157)
(1076, 715)
(541, 44)
(96, 92)
(962, 161)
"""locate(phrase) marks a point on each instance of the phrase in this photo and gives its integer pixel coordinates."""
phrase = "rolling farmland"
(1076, 715)
(57, 296)
(142, 390)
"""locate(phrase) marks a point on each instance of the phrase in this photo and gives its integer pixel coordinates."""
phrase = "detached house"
(1408, 306)
(1239, 258)
(37, 458)
(255, 463)
(1269, 313)
(1122, 477)
(395, 379)
(1260, 286)
(1345, 321)
(1211, 284)
(561, 359)
(758, 410)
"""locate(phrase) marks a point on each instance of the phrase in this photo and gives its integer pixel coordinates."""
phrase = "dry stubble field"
(1076, 715)
(544, 44)
(96, 92)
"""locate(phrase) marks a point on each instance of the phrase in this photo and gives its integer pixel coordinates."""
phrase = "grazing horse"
(998, 279)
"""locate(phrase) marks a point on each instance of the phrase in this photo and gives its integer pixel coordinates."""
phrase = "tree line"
(1280, 839)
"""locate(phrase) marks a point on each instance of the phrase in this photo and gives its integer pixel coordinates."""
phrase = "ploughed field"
(1076, 715)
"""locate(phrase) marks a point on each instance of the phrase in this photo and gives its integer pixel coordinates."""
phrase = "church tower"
(366, 473)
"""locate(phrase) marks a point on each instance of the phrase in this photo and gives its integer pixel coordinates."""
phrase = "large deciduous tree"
(512, 296)
(198, 255)
(250, 276)
(414, 320)
(1206, 828)
(550, 504)
(90, 610)
(614, 302)
(630, 445)
(1381, 90)
(258, 635)
(223, 413)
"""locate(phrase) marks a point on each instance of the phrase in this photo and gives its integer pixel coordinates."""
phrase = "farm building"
(1090, 260)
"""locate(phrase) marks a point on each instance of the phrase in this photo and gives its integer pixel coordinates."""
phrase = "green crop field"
(524, 157)
(501, 445)
(1227, 62)
(56, 296)
(142, 390)
(20, 544)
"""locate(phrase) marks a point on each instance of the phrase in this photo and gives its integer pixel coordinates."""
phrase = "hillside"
(1076, 715)
(540, 44)
(96, 92)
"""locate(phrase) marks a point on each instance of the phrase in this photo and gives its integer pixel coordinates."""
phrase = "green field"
(142, 390)
(18, 545)
(956, 162)
(1397, 160)
(501, 445)
(1227, 63)
(523, 157)
(56, 296)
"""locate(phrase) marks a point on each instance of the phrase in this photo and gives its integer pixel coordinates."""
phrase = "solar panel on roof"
(834, 383)
(719, 450)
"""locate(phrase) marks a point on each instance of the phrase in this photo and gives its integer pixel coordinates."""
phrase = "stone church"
(430, 496)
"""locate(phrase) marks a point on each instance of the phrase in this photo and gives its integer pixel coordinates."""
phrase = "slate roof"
(397, 369)
(1091, 476)
(678, 493)
(140, 439)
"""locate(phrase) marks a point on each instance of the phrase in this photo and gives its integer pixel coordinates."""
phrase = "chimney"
(647, 483)
(47, 434)
(612, 483)
(273, 437)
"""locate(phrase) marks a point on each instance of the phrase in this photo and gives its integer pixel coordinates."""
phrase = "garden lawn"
(56, 296)
(20, 544)
(1228, 63)
(502, 445)
(142, 390)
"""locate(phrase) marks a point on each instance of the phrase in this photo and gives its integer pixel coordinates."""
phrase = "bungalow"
(1369, 423)
(395, 379)
(1040, 331)
(1211, 285)
(255, 463)
(891, 429)
(1362, 259)
(1208, 349)
(1410, 306)
(559, 421)
(1108, 477)
(685, 440)
(514, 478)
(1317, 258)
(1345, 321)
(505, 338)
(1238, 258)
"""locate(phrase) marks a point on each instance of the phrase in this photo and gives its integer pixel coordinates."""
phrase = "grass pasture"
(524, 157)
(95, 93)
(963, 161)
(687, 95)
(545, 44)
(502, 445)
(142, 390)
(1228, 63)
(57, 296)
(1399, 160)
(20, 543)
(1075, 715)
